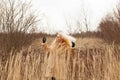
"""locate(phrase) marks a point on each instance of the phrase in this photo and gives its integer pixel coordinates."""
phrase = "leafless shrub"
(16, 19)
(16, 16)
(110, 27)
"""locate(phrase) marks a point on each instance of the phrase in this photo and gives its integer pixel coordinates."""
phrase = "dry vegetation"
(110, 26)
(23, 56)
(80, 63)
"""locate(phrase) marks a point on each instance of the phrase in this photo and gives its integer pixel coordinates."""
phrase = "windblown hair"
(63, 40)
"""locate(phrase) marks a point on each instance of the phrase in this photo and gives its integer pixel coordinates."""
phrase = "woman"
(56, 61)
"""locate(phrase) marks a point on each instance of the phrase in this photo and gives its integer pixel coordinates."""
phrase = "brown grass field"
(91, 59)
(23, 56)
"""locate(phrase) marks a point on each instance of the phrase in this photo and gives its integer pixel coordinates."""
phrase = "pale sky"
(56, 12)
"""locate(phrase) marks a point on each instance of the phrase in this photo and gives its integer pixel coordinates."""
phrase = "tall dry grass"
(92, 59)
(80, 63)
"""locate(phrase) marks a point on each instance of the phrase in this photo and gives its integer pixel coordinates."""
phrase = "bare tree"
(69, 25)
(16, 16)
(110, 26)
(74, 26)
(16, 19)
(86, 21)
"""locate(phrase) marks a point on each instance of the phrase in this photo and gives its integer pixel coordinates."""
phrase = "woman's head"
(66, 39)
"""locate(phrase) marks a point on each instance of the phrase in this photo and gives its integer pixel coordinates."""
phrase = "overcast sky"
(56, 12)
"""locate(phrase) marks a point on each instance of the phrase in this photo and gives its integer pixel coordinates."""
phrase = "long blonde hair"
(62, 40)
